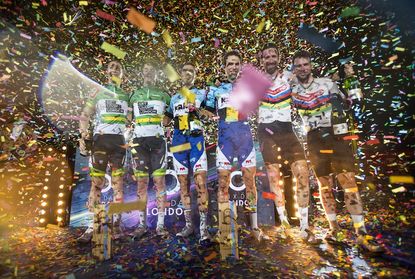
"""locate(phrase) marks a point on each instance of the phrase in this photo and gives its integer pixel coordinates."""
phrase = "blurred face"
(270, 60)
(114, 69)
(232, 67)
(302, 68)
(348, 70)
(188, 74)
(149, 72)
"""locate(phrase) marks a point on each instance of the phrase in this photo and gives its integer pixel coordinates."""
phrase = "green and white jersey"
(110, 111)
(149, 105)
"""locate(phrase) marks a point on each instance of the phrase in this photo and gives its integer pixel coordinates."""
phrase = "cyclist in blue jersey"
(188, 138)
(235, 140)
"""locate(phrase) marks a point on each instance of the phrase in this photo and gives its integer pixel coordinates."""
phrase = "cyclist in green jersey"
(149, 145)
(109, 110)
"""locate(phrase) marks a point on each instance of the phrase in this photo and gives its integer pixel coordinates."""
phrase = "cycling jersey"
(218, 100)
(276, 103)
(149, 104)
(184, 114)
(110, 111)
(313, 103)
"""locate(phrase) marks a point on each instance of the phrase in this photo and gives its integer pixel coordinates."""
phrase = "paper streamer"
(113, 50)
(141, 21)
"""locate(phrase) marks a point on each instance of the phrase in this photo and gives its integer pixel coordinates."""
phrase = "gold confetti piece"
(223, 30)
(260, 26)
(399, 190)
(124, 207)
(83, 3)
(113, 50)
(326, 151)
(334, 55)
(141, 21)
(399, 49)
(401, 179)
(189, 95)
(171, 73)
(179, 148)
(167, 38)
(351, 190)
(267, 24)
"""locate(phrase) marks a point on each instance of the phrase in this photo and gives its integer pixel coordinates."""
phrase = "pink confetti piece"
(217, 42)
(182, 37)
(25, 36)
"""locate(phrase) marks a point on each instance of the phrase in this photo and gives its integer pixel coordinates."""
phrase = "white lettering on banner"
(243, 203)
(168, 211)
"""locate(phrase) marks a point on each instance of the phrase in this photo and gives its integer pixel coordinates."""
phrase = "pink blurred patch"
(249, 90)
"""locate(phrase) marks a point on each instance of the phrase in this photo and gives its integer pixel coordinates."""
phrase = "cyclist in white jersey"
(279, 144)
(109, 110)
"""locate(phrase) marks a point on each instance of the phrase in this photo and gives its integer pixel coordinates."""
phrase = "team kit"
(294, 94)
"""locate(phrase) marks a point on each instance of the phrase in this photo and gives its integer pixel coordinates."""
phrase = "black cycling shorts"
(108, 149)
(149, 156)
(328, 153)
(279, 134)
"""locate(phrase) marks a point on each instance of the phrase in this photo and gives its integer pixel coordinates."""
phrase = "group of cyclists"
(150, 110)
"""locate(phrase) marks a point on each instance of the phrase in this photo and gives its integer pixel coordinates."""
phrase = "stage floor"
(54, 253)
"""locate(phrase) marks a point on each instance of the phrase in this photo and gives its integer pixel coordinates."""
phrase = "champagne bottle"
(352, 87)
(338, 116)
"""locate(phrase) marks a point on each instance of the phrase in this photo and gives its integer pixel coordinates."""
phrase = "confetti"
(105, 15)
(180, 148)
(401, 179)
(171, 73)
(141, 21)
(113, 50)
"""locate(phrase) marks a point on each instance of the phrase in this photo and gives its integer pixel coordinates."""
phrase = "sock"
(282, 213)
(254, 220)
(141, 218)
(203, 221)
(188, 217)
(116, 219)
(359, 223)
(160, 219)
(303, 211)
(332, 217)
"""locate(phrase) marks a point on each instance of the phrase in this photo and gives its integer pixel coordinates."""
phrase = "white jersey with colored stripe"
(313, 102)
(110, 111)
(276, 103)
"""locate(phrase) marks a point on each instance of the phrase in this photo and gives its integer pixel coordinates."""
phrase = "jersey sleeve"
(169, 109)
(200, 97)
(335, 90)
(211, 100)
